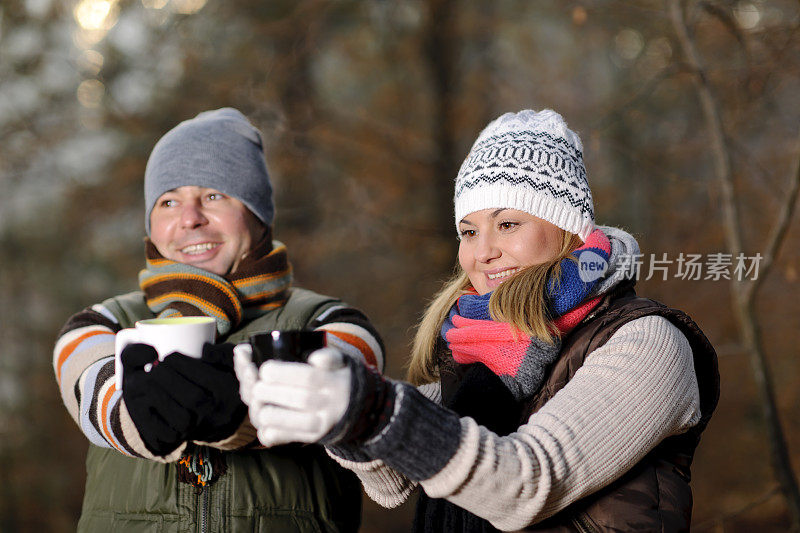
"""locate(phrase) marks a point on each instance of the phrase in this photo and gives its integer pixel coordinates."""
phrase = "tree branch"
(742, 291)
(718, 521)
(719, 149)
(610, 117)
(778, 232)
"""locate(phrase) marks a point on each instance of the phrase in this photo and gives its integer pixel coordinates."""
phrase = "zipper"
(198, 465)
(583, 524)
(203, 503)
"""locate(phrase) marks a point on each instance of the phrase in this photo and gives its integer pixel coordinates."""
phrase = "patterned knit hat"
(218, 149)
(531, 162)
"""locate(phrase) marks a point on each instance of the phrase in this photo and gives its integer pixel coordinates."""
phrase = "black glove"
(181, 398)
(220, 410)
(163, 423)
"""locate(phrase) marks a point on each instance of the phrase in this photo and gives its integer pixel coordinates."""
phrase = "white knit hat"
(531, 162)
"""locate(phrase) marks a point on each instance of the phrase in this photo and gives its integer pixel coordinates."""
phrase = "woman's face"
(496, 243)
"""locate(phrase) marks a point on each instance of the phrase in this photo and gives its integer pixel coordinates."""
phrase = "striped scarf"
(521, 360)
(259, 284)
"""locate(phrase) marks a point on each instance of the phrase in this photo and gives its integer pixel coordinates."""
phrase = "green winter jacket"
(283, 489)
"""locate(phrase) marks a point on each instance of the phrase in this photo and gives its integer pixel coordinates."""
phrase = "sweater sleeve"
(350, 331)
(630, 394)
(383, 484)
(83, 361)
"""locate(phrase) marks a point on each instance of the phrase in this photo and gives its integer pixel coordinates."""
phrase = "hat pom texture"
(529, 161)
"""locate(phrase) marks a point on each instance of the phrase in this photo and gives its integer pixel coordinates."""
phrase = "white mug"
(186, 335)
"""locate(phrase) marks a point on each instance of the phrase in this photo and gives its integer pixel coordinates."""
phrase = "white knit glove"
(340, 402)
(295, 402)
(246, 371)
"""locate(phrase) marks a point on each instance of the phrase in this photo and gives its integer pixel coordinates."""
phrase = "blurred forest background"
(688, 112)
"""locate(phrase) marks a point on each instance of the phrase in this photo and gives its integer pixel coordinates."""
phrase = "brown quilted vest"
(655, 494)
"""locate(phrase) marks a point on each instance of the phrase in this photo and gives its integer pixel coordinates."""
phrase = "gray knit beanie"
(218, 149)
(531, 162)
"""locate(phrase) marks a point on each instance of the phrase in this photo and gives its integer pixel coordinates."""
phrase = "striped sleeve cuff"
(350, 331)
(244, 436)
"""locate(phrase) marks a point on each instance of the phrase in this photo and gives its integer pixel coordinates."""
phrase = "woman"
(550, 396)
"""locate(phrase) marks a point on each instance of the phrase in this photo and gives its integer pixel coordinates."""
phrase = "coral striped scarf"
(520, 360)
(176, 289)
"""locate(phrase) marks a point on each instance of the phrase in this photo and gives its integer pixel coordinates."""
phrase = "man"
(174, 450)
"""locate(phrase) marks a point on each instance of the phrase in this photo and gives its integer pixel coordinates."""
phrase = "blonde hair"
(521, 301)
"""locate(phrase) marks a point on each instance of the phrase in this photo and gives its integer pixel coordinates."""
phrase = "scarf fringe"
(202, 466)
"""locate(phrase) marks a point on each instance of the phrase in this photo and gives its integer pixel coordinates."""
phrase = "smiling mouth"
(197, 249)
(503, 274)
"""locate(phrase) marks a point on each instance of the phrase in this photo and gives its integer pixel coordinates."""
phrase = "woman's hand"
(246, 370)
(299, 402)
(337, 400)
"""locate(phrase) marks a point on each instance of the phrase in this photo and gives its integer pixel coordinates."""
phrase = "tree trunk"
(440, 52)
(742, 298)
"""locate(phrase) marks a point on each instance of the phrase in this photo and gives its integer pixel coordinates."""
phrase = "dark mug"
(286, 345)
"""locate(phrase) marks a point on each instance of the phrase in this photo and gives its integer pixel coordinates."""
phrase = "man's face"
(204, 228)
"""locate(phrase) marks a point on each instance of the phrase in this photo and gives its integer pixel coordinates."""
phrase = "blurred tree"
(744, 290)
(367, 108)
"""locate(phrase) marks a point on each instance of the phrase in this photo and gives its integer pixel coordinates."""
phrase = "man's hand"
(181, 398)
(219, 410)
(162, 421)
